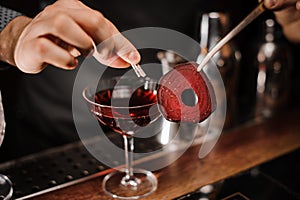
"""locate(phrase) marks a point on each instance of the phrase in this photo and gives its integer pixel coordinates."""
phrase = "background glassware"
(6, 189)
(126, 106)
(212, 27)
(272, 72)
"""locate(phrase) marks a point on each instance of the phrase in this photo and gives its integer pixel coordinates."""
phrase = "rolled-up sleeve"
(6, 15)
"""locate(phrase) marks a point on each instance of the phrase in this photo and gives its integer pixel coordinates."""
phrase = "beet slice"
(185, 95)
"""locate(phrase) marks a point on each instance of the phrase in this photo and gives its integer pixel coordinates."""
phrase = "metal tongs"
(136, 67)
(247, 20)
(138, 70)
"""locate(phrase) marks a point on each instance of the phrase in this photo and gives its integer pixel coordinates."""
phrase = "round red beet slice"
(185, 95)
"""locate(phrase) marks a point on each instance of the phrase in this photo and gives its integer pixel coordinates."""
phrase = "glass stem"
(129, 148)
(129, 180)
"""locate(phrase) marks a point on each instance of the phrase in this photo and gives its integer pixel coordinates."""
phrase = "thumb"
(132, 56)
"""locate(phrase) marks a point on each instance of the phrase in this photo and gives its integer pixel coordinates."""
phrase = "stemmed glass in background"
(6, 188)
(126, 105)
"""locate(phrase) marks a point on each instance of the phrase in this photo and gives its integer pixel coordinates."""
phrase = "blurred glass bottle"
(273, 65)
(212, 27)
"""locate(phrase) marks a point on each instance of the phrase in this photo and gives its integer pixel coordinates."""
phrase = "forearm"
(9, 36)
(11, 25)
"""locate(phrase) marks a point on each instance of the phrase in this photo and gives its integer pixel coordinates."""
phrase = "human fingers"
(117, 52)
(126, 50)
(288, 16)
(298, 5)
(101, 29)
(113, 44)
(75, 26)
(46, 31)
(62, 26)
(281, 4)
(33, 56)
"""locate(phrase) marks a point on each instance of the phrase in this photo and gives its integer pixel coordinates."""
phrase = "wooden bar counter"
(236, 151)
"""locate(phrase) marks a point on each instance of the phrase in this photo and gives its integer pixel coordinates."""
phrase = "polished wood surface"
(237, 150)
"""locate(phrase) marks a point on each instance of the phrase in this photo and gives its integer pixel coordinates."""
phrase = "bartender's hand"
(287, 13)
(59, 34)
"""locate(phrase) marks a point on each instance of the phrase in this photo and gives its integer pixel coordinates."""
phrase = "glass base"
(143, 184)
(6, 189)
